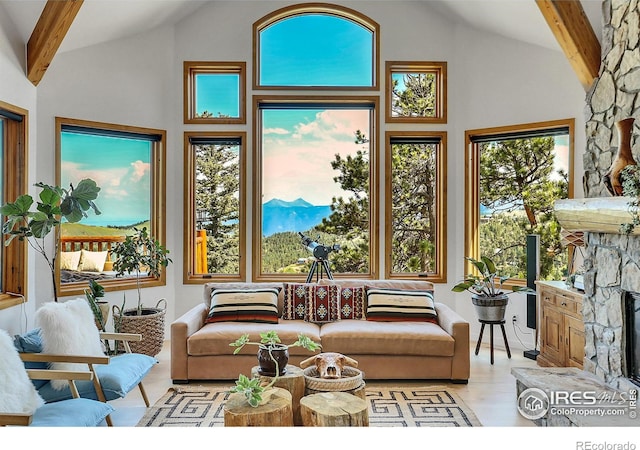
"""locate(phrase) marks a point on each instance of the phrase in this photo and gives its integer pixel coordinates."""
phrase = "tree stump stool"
(292, 381)
(358, 392)
(334, 409)
(275, 412)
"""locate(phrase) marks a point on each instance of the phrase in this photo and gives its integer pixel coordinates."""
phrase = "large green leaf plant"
(54, 205)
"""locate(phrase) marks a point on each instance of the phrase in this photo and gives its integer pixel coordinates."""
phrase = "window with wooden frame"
(214, 92)
(315, 174)
(214, 207)
(416, 92)
(13, 151)
(514, 174)
(129, 165)
(316, 46)
(415, 204)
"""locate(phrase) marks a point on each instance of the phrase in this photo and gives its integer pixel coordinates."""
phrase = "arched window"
(334, 47)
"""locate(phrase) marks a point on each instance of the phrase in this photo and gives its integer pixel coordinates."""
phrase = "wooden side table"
(334, 409)
(491, 323)
(292, 381)
(276, 412)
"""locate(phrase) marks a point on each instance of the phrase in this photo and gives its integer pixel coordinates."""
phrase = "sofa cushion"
(68, 328)
(214, 338)
(208, 287)
(352, 302)
(69, 260)
(92, 261)
(394, 284)
(363, 337)
(244, 305)
(123, 373)
(296, 298)
(77, 412)
(31, 342)
(323, 304)
(395, 305)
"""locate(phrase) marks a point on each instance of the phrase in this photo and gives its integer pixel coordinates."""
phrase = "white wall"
(16, 90)
(492, 81)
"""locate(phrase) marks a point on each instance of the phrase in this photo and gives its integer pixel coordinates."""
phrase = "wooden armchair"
(74, 412)
(112, 376)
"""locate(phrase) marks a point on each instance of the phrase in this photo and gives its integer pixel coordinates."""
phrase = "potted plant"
(55, 204)
(630, 177)
(140, 252)
(273, 357)
(100, 308)
(486, 287)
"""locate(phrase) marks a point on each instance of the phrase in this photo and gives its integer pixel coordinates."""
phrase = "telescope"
(318, 250)
(320, 253)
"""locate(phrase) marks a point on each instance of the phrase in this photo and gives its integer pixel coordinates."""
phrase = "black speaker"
(533, 272)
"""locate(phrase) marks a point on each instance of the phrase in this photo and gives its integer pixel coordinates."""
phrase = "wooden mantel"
(599, 214)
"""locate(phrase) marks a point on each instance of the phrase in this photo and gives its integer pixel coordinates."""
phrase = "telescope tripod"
(319, 269)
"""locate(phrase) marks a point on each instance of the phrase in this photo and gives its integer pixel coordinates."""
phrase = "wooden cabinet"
(561, 325)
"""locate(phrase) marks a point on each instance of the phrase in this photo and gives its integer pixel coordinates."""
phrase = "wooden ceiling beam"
(53, 24)
(576, 37)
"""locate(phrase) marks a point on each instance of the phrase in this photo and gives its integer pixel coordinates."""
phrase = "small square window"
(214, 92)
(416, 92)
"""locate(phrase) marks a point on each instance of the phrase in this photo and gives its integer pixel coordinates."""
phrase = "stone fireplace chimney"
(612, 259)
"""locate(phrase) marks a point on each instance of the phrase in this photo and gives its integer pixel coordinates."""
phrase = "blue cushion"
(31, 342)
(118, 378)
(77, 412)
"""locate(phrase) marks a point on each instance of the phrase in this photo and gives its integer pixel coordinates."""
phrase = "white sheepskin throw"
(17, 392)
(68, 329)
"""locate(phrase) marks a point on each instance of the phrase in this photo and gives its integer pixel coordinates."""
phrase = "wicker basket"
(150, 325)
(351, 379)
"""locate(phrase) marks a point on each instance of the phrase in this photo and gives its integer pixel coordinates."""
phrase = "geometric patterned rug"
(389, 406)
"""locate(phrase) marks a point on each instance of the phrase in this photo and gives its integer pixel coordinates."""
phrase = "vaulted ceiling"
(48, 27)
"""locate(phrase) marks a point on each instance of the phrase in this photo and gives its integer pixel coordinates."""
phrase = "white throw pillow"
(69, 260)
(68, 329)
(17, 392)
(92, 261)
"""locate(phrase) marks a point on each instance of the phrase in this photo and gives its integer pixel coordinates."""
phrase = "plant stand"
(334, 409)
(150, 325)
(292, 381)
(276, 412)
(491, 323)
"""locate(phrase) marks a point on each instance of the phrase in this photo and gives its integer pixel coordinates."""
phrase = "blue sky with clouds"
(120, 167)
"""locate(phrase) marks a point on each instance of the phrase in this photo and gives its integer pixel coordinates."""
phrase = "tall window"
(214, 206)
(316, 45)
(13, 177)
(516, 174)
(128, 164)
(415, 202)
(316, 170)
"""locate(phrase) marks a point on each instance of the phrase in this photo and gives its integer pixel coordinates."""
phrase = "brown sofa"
(384, 350)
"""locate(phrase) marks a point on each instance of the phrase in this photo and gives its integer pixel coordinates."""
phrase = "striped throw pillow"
(244, 305)
(398, 305)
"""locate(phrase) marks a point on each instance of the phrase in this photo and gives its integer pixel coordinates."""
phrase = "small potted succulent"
(486, 287)
(273, 357)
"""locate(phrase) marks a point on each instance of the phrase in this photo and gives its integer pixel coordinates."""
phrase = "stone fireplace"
(612, 269)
